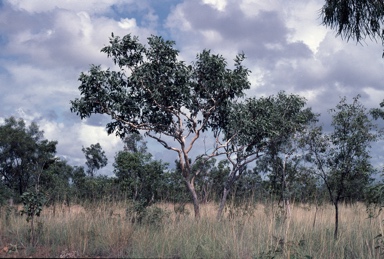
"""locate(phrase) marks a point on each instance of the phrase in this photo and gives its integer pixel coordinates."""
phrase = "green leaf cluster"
(154, 91)
(33, 204)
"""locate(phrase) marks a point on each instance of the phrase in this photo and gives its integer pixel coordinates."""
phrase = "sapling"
(33, 203)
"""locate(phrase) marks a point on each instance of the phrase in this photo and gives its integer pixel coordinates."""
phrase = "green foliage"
(354, 19)
(158, 87)
(92, 189)
(266, 129)
(155, 216)
(374, 199)
(139, 212)
(174, 187)
(342, 157)
(24, 155)
(283, 159)
(55, 182)
(5, 194)
(138, 176)
(268, 120)
(33, 204)
(95, 157)
(217, 177)
(156, 93)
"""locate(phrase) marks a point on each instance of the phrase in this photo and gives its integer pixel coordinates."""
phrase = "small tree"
(258, 125)
(155, 93)
(56, 183)
(342, 157)
(33, 205)
(139, 176)
(95, 157)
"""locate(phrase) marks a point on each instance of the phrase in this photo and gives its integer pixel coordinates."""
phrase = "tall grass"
(257, 231)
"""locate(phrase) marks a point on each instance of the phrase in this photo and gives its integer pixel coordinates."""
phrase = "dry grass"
(105, 230)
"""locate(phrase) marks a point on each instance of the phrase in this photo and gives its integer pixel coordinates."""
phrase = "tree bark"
(222, 204)
(335, 234)
(195, 199)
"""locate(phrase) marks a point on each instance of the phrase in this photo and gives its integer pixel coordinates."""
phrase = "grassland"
(254, 231)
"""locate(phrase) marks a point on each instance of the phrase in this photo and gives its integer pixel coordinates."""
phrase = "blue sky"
(45, 45)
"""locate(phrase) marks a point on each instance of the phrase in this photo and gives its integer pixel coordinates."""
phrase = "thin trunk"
(336, 203)
(196, 204)
(227, 188)
(20, 186)
(32, 232)
(314, 219)
(287, 219)
(222, 203)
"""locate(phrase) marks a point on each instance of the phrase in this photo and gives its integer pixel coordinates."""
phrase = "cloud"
(40, 6)
(49, 43)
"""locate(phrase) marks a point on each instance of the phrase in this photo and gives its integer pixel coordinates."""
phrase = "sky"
(45, 45)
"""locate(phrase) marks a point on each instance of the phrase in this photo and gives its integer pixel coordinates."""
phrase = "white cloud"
(303, 19)
(127, 23)
(176, 19)
(38, 6)
(252, 8)
(211, 36)
(217, 4)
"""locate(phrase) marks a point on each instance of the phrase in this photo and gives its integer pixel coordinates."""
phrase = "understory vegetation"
(249, 230)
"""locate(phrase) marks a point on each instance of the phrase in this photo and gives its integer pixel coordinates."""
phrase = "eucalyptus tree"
(342, 157)
(258, 127)
(95, 158)
(139, 176)
(355, 19)
(24, 154)
(56, 182)
(205, 179)
(153, 92)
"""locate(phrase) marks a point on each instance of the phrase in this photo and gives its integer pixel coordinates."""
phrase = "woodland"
(264, 164)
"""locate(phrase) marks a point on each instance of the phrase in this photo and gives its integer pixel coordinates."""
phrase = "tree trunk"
(335, 234)
(222, 203)
(314, 219)
(32, 231)
(196, 204)
(287, 219)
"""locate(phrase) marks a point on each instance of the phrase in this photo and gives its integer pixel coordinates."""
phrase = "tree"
(355, 19)
(155, 93)
(24, 154)
(95, 157)
(342, 157)
(204, 181)
(56, 183)
(265, 123)
(140, 177)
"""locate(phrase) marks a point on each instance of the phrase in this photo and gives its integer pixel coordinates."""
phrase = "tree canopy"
(342, 157)
(24, 154)
(95, 158)
(266, 124)
(156, 93)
